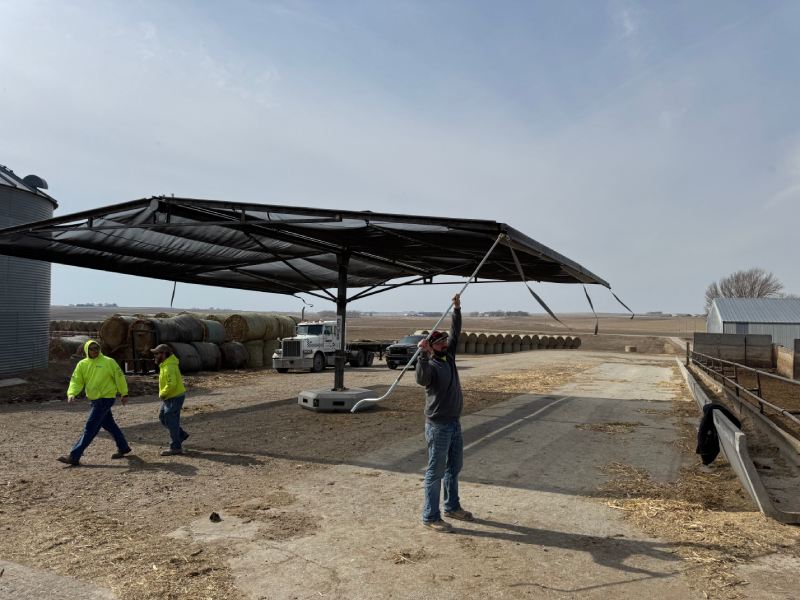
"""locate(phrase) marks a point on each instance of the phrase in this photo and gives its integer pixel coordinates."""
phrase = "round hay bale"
(461, 347)
(189, 328)
(143, 336)
(508, 343)
(114, 330)
(246, 327)
(213, 331)
(72, 345)
(480, 343)
(210, 355)
(630, 349)
(286, 328)
(469, 345)
(560, 342)
(162, 315)
(525, 343)
(188, 358)
(489, 345)
(576, 342)
(234, 355)
(422, 332)
(516, 343)
(255, 353)
(269, 349)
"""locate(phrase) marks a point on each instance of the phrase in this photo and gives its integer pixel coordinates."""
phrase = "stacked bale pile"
(200, 342)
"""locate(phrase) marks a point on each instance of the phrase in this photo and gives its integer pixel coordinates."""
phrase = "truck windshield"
(309, 329)
(412, 339)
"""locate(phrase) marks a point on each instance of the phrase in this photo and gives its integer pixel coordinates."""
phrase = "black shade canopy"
(284, 249)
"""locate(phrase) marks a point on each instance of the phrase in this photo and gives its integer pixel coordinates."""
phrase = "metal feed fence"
(729, 373)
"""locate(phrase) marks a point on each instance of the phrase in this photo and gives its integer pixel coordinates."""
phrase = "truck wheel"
(319, 362)
(370, 358)
(361, 358)
(391, 365)
(282, 370)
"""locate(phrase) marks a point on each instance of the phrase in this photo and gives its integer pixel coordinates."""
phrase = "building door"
(741, 328)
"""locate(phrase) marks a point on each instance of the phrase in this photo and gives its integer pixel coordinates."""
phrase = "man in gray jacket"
(436, 370)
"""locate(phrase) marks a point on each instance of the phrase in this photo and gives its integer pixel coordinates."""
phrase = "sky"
(655, 143)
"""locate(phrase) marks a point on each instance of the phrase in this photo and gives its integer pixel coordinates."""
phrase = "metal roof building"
(778, 317)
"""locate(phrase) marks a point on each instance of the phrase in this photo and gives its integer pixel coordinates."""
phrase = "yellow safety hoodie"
(170, 382)
(101, 377)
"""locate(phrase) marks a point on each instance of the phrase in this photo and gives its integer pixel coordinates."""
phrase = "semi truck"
(314, 347)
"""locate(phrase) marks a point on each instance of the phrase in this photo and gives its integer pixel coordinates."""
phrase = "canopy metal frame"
(287, 249)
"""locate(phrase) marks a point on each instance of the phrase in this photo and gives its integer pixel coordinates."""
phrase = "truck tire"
(361, 358)
(391, 364)
(282, 370)
(319, 363)
(370, 358)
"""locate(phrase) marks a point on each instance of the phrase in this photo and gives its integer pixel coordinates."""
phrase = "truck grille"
(292, 348)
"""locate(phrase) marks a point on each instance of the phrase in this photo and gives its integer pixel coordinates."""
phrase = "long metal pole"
(361, 404)
(341, 317)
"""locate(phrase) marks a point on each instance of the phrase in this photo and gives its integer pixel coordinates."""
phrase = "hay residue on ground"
(707, 515)
(611, 427)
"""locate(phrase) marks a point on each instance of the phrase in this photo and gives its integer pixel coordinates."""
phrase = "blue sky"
(655, 143)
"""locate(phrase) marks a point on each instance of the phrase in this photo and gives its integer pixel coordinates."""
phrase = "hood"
(86, 348)
(170, 359)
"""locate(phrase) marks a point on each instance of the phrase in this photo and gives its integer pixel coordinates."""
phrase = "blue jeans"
(445, 458)
(170, 417)
(100, 417)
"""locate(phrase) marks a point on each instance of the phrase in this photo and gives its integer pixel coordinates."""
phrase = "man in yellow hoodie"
(172, 393)
(102, 379)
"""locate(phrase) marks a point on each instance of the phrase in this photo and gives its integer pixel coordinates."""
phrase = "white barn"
(778, 317)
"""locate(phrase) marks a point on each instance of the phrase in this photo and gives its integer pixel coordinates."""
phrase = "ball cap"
(160, 348)
(438, 336)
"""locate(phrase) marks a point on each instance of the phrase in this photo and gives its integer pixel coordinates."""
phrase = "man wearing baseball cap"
(172, 393)
(436, 370)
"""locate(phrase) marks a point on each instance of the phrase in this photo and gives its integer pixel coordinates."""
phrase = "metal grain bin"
(24, 284)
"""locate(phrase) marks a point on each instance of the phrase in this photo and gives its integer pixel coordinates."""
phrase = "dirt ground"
(136, 526)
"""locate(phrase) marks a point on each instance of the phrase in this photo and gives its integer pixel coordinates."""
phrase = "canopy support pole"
(341, 317)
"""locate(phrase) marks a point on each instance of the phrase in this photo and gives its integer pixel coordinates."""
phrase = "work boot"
(440, 526)
(460, 514)
(171, 452)
(121, 453)
(68, 460)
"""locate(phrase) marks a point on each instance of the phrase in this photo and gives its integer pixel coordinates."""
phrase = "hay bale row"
(504, 343)
(82, 326)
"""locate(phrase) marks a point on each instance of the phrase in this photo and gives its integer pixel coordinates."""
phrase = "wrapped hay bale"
(489, 346)
(234, 355)
(210, 355)
(187, 355)
(247, 327)
(255, 354)
(287, 327)
(269, 349)
(560, 341)
(114, 331)
(526, 342)
(516, 342)
(213, 331)
(576, 342)
(508, 343)
(480, 343)
(469, 342)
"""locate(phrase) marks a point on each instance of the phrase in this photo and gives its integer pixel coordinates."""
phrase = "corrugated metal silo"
(24, 284)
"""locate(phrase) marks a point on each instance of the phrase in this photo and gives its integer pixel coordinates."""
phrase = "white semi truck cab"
(314, 347)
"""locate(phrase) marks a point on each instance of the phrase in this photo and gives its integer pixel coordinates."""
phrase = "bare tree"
(753, 283)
